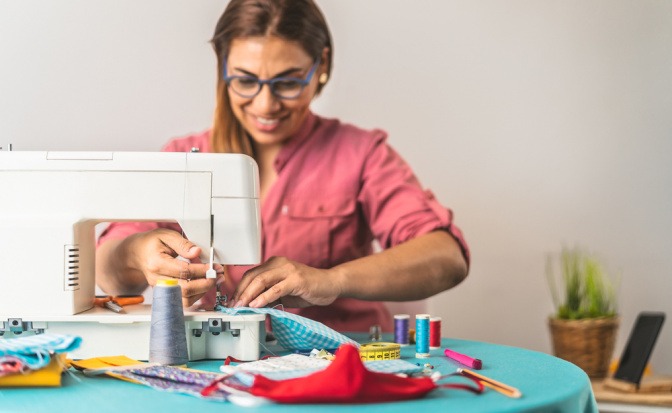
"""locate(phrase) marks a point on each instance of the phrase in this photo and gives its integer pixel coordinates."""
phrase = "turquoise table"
(548, 384)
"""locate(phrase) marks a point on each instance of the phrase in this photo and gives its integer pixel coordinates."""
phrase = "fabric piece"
(103, 362)
(34, 351)
(171, 379)
(10, 365)
(323, 214)
(280, 368)
(298, 365)
(294, 332)
(346, 380)
(47, 376)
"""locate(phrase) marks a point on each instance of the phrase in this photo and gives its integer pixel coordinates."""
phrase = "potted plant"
(583, 328)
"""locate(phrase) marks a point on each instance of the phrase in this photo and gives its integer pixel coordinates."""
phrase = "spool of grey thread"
(167, 338)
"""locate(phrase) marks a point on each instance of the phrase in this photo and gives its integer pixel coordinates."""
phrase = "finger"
(266, 287)
(249, 276)
(181, 269)
(243, 285)
(274, 293)
(193, 290)
(182, 246)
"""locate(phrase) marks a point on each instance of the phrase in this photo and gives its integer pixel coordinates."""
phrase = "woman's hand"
(153, 255)
(288, 282)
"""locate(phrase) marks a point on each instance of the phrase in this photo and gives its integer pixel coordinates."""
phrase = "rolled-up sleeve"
(397, 207)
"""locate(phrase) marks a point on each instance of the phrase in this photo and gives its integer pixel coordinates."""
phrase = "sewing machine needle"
(211, 273)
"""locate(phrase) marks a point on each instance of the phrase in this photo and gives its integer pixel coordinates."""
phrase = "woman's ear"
(325, 61)
(323, 70)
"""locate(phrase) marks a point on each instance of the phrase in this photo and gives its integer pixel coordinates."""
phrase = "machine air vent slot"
(71, 268)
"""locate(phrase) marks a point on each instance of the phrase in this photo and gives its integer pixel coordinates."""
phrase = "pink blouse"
(338, 188)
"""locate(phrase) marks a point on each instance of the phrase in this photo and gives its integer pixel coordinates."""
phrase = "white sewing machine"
(50, 205)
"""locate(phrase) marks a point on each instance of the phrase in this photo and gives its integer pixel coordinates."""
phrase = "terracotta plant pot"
(588, 343)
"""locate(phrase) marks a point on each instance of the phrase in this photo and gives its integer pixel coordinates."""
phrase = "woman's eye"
(246, 82)
(284, 85)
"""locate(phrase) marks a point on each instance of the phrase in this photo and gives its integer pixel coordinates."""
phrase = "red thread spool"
(435, 332)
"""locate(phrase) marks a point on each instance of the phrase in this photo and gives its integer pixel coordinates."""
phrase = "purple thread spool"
(401, 329)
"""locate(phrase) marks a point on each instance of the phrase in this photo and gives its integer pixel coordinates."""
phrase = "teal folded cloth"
(294, 332)
(35, 351)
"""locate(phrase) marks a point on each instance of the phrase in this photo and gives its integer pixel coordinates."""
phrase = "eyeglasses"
(281, 87)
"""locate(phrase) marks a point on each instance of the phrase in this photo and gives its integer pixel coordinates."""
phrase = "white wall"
(541, 123)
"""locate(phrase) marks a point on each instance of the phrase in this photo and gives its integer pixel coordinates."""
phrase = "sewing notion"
(491, 383)
(60, 197)
(379, 351)
(463, 359)
(117, 304)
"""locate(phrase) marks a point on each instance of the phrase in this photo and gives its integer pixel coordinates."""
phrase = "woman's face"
(270, 120)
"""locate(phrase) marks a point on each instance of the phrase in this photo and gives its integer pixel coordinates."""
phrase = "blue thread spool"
(401, 322)
(422, 335)
(167, 338)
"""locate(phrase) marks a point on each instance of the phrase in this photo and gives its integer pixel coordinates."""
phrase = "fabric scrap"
(35, 351)
(345, 380)
(294, 332)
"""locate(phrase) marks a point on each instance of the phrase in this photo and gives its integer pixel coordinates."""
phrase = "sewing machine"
(51, 204)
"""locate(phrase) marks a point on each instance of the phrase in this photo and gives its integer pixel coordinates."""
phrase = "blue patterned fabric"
(295, 332)
(172, 379)
(35, 350)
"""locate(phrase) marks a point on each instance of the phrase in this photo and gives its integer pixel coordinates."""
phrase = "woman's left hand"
(288, 282)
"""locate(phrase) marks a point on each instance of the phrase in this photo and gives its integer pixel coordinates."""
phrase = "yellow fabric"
(103, 362)
(49, 376)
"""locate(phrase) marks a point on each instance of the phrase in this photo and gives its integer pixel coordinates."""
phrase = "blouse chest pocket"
(312, 227)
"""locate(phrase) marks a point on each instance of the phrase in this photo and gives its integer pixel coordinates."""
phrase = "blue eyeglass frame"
(270, 82)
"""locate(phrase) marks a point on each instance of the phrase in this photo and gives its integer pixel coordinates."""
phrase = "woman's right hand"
(153, 255)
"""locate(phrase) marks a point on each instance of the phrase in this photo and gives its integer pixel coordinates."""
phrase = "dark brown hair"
(295, 20)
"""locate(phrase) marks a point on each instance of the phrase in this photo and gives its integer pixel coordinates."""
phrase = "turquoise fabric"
(548, 384)
(295, 332)
(35, 350)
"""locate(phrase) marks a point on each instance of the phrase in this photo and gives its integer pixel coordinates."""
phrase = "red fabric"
(346, 380)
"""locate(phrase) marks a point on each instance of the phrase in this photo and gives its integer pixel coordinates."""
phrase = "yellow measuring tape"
(379, 351)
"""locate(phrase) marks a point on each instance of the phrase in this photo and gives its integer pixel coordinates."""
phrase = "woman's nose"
(266, 101)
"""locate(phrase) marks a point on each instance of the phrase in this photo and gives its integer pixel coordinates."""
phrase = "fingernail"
(192, 249)
(239, 303)
(254, 303)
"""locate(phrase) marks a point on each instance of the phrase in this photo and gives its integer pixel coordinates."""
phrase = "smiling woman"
(328, 190)
(267, 114)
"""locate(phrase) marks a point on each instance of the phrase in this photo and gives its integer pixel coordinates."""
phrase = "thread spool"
(435, 332)
(401, 329)
(374, 333)
(167, 338)
(422, 335)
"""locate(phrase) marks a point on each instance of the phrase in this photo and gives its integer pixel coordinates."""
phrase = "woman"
(328, 189)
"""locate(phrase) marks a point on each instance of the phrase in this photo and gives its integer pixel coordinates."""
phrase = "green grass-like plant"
(588, 291)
